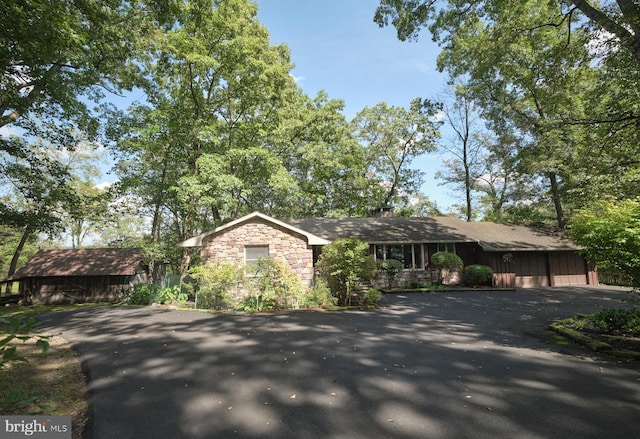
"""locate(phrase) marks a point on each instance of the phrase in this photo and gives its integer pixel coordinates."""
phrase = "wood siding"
(76, 289)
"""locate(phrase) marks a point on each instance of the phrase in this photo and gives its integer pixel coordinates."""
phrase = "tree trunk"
(16, 256)
(557, 201)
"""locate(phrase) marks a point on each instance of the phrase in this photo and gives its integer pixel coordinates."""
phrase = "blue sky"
(336, 47)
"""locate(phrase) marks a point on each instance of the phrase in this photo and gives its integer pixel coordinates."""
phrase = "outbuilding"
(81, 275)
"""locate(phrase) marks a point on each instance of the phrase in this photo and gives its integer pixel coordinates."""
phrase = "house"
(519, 256)
(80, 275)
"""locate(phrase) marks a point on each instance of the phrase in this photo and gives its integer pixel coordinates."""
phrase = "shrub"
(447, 263)
(171, 296)
(319, 296)
(371, 297)
(213, 284)
(618, 321)
(475, 275)
(344, 263)
(273, 278)
(141, 294)
(266, 302)
(391, 268)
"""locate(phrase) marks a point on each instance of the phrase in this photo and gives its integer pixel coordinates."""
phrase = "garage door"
(530, 269)
(567, 268)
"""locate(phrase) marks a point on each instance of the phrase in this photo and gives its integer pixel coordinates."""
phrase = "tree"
(393, 137)
(609, 232)
(55, 55)
(35, 193)
(344, 262)
(620, 19)
(327, 165)
(521, 68)
(465, 167)
(196, 151)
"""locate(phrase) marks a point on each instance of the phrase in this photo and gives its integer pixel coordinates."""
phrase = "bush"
(344, 263)
(618, 321)
(213, 284)
(391, 268)
(319, 296)
(371, 297)
(475, 275)
(447, 263)
(141, 294)
(171, 296)
(266, 302)
(274, 279)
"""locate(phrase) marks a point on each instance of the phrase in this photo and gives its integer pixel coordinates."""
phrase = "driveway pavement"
(441, 365)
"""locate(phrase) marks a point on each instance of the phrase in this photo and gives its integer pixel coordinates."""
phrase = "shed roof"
(82, 262)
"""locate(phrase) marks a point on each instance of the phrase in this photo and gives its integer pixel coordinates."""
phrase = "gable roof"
(82, 262)
(196, 241)
(402, 230)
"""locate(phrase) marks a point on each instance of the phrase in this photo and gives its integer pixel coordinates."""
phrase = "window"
(449, 247)
(254, 252)
(410, 255)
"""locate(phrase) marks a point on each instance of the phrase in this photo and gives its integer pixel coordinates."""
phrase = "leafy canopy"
(609, 231)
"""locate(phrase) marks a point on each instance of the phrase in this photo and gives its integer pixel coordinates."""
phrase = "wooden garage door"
(567, 268)
(530, 269)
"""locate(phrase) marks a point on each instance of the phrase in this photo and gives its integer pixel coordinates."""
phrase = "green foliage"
(391, 268)
(393, 137)
(319, 296)
(609, 231)
(370, 297)
(344, 262)
(214, 285)
(550, 86)
(259, 303)
(475, 275)
(171, 296)
(618, 321)
(273, 278)
(447, 261)
(141, 294)
(21, 328)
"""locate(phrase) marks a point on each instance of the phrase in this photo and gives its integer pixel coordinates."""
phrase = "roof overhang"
(196, 241)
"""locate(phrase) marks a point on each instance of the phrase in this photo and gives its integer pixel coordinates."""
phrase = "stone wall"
(228, 246)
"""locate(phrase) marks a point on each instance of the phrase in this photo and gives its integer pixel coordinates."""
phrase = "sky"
(336, 47)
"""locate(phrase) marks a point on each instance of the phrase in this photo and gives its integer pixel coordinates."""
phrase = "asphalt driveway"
(441, 365)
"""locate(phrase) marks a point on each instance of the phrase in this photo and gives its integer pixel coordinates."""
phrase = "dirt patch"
(48, 384)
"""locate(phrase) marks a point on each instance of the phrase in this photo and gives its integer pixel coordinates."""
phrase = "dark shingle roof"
(82, 262)
(491, 236)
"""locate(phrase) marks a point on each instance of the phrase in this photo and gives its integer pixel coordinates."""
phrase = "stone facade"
(229, 246)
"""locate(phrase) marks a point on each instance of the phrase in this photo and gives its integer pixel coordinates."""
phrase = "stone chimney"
(383, 212)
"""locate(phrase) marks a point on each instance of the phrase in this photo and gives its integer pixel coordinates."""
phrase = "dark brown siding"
(530, 269)
(567, 269)
(76, 289)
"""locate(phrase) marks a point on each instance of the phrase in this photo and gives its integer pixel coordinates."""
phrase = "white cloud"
(297, 79)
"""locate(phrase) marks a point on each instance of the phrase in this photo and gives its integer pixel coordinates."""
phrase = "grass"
(51, 383)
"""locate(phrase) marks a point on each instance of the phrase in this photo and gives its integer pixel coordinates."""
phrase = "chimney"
(383, 212)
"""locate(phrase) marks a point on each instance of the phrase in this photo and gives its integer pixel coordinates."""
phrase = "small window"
(254, 252)
(449, 247)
